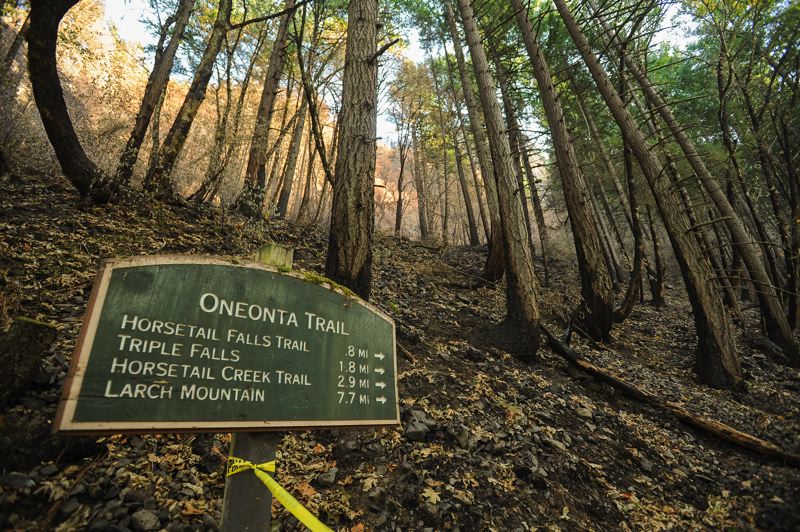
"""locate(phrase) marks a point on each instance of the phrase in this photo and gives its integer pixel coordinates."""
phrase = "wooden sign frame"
(65, 416)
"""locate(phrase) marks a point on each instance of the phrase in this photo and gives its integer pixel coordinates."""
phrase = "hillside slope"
(488, 441)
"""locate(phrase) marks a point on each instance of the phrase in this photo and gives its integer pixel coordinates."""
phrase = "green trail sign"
(179, 343)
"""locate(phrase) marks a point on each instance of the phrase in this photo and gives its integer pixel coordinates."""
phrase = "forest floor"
(488, 442)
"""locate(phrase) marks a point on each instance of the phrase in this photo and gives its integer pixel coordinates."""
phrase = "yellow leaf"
(431, 495)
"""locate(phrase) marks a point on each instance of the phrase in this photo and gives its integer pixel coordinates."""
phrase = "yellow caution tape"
(237, 465)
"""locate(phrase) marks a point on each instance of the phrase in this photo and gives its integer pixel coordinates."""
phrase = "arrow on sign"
(380, 371)
(381, 399)
(379, 356)
(380, 384)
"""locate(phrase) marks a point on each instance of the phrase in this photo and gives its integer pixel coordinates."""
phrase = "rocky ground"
(488, 442)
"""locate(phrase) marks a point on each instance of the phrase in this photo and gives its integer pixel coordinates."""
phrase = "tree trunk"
(13, 50)
(302, 211)
(419, 184)
(596, 294)
(462, 179)
(462, 129)
(716, 361)
(155, 88)
(42, 37)
(251, 200)
(522, 306)
(634, 289)
(398, 213)
(538, 212)
(772, 311)
(513, 139)
(291, 161)
(349, 258)
(495, 262)
(655, 277)
(158, 176)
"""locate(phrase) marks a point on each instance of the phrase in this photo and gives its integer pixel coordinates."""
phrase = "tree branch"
(267, 17)
(383, 49)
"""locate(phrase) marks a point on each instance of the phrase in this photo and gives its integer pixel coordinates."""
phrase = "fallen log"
(705, 424)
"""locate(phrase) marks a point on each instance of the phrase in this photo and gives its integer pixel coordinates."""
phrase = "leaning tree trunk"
(291, 161)
(716, 362)
(251, 200)
(522, 306)
(776, 324)
(495, 262)
(13, 50)
(598, 299)
(349, 258)
(538, 211)
(42, 38)
(513, 139)
(156, 85)
(419, 184)
(462, 180)
(158, 176)
(462, 129)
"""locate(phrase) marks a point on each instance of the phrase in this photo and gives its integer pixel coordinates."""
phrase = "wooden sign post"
(206, 344)
(247, 505)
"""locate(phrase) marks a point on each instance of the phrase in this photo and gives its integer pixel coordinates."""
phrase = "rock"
(646, 464)
(69, 507)
(583, 412)
(555, 444)
(416, 430)
(145, 520)
(48, 470)
(422, 417)
(210, 523)
(16, 481)
(328, 478)
(139, 495)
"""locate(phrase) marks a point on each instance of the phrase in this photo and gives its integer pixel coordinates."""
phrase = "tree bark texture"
(716, 362)
(522, 306)
(598, 300)
(349, 258)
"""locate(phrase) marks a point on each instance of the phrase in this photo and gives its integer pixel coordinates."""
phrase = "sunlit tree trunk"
(158, 176)
(155, 88)
(13, 50)
(251, 200)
